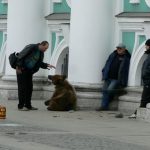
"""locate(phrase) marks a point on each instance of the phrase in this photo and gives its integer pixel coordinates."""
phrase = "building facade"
(81, 35)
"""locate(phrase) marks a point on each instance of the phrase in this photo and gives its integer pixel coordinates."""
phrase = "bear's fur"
(64, 97)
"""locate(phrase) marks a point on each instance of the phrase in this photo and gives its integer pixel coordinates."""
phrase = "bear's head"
(57, 79)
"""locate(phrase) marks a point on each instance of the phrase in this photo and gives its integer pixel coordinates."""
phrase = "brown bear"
(64, 97)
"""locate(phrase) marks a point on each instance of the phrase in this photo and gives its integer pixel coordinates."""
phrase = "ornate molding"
(60, 30)
(57, 1)
(3, 26)
(69, 3)
(55, 56)
(134, 1)
(124, 26)
(146, 29)
(60, 1)
(4, 1)
(136, 62)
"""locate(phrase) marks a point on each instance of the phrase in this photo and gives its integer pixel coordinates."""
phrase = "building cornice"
(58, 16)
(133, 15)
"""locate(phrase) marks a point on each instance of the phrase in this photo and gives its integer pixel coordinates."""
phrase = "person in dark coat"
(30, 59)
(114, 74)
(145, 73)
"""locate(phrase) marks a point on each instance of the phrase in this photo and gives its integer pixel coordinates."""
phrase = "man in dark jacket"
(145, 98)
(30, 59)
(114, 74)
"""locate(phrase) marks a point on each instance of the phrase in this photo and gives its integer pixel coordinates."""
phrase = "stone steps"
(143, 114)
(131, 100)
(89, 96)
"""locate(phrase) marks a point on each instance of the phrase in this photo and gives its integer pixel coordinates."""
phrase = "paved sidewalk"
(79, 130)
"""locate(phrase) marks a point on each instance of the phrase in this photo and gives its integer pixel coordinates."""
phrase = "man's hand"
(50, 66)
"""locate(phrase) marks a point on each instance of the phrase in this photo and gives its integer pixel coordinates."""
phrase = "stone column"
(90, 39)
(26, 25)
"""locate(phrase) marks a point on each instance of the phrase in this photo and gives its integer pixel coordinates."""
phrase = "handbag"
(13, 59)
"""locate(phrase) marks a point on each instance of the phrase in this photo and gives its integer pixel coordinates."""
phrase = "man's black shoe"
(102, 109)
(46, 102)
(33, 108)
(120, 115)
(23, 109)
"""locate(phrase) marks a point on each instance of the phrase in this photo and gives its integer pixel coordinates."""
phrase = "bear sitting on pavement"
(64, 97)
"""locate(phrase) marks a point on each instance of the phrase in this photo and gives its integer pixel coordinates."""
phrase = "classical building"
(81, 35)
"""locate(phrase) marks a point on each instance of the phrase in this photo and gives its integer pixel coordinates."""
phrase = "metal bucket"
(2, 112)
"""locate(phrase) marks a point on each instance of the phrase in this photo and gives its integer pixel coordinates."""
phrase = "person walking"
(114, 74)
(30, 59)
(145, 73)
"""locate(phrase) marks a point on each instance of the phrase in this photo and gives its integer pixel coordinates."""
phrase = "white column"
(26, 25)
(90, 39)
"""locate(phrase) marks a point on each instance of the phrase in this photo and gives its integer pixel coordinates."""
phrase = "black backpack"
(13, 59)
